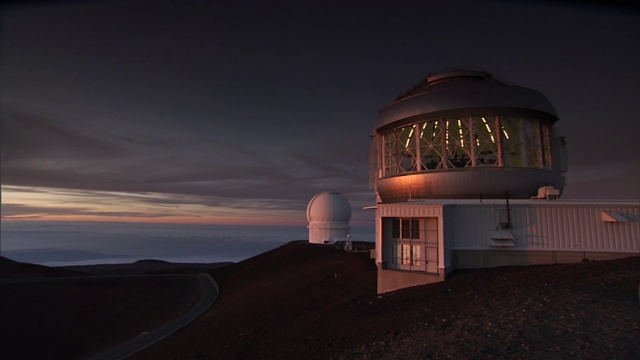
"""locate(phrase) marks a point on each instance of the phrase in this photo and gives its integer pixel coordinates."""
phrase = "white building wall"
(328, 232)
(545, 232)
(536, 226)
(544, 226)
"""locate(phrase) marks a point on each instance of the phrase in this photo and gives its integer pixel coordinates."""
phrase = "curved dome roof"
(404, 166)
(464, 93)
(330, 207)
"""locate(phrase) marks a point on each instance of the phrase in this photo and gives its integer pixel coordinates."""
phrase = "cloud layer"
(191, 109)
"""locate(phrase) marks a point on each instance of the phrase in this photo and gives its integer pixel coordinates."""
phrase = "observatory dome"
(329, 207)
(328, 214)
(465, 134)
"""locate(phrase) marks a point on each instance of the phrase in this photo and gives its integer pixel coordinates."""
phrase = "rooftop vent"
(547, 193)
(501, 238)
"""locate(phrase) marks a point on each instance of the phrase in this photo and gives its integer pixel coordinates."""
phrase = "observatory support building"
(468, 171)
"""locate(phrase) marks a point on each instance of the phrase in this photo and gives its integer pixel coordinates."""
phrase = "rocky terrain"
(303, 301)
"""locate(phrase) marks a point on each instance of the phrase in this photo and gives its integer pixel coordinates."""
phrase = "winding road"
(209, 295)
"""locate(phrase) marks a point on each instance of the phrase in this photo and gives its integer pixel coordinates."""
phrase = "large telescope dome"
(465, 134)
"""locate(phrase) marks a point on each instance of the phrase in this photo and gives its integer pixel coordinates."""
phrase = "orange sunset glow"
(46, 204)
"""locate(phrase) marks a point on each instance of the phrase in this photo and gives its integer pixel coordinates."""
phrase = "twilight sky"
(239, 112)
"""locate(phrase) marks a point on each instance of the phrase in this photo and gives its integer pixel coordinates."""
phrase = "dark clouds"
(28, 137)
(46, 152)
(264, 104)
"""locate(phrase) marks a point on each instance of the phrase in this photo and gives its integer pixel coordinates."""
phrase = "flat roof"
(516, 202)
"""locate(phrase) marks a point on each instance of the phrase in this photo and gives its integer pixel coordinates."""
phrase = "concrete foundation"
(391, 280)
(472, 259)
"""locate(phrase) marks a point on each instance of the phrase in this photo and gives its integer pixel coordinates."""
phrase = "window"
(430, 145)
(407, 243)
(410, 244)
(485, 140)
(410, 229)
(467, 142)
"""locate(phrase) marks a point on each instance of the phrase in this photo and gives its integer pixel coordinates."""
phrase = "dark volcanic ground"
(308, 301)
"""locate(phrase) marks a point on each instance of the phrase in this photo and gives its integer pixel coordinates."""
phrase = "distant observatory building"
(328, 214)
(467, 171)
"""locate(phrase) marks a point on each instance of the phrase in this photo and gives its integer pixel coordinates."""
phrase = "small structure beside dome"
(328, 214)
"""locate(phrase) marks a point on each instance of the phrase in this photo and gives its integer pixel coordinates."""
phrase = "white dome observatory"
(328, 214)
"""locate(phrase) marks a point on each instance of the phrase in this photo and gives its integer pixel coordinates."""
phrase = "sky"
(239, 112)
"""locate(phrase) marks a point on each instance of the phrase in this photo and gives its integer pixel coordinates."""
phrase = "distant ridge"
(151, 261)
(12, 268)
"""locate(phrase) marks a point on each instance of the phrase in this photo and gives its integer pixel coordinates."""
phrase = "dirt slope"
(304, 301)
(314, 302)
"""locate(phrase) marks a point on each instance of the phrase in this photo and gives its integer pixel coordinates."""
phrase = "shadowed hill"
(55, 313)
(317, 302)
(11, 268)
(277, 302)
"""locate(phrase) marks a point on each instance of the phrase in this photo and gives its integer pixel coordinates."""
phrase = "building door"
(413, 244)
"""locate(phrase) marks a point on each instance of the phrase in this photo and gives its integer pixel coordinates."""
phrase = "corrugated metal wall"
(544, 226)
